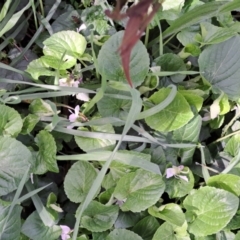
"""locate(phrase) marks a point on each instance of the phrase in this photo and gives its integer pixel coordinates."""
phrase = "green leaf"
(213, 35)
(39, 68)
(116, 171)
(211, 209)
(11, 229)
(64, 22)
(170, 14)
(171, 213)
(10, 121)
(217, 122)
(136, 159)
(4, 9)
(220, 106)
(233, 145)
(29, 122)
(170, 62)
(114, 107)
(165, 232)
(210, 237)
(188, 134)
(169, 231)
(226, 235)
(105, 196)
(134, 111)
(146, 227)
(126, 219)
(192, 49)
(83, 237)
(110, 64)
(173, 4)
(15, 160)
(158, 157)
(139, 190)
(172, 117)
(119, 169)
(100, 235)
(220, 65)
(192, 98)
(46, 156)
(41, 108)
(186, 37)
(91, 144)
(13, 20)
(228, 182)
(118, 234)
(35, 229)
(224, 105)
(57, 63)
(65, 43)
(98, 217)
(235, 222)
(95, 16)
(196, 15)
(237, 237)
(79, 180)
(177, 188)
(52, 207)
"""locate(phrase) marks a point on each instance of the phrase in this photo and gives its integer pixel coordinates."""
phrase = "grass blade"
(134, 111)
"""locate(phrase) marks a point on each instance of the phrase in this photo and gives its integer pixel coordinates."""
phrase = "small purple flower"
(74, 115)
(176, 171)
(75, 83)
(65, 232)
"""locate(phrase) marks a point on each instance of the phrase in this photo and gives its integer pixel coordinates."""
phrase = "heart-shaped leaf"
(110, 64)
(173, 116)
(220, 65)
(210, 209)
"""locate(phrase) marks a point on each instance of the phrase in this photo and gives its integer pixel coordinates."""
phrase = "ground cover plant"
(119, 120)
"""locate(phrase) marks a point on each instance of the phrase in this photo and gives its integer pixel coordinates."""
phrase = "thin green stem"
(42, 8)
(227, 136)
(169, 39)
(146, 37)
(232, 164)
(230, 123)
(160, 40)
(205, 172)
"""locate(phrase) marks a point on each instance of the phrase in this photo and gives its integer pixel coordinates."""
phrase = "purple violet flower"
(74, 115)
(65, 232)
(176, 171)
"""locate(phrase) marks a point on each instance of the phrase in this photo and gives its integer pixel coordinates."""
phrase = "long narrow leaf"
(43, 213)
(5, 9)
(196, 15)
(109, 136)
(164, 74)
(122, 157)
(205, 172)
(14, 202)
(11, 23)
(30, 194)
(233, 163)
(9, 15)
(160, 106)
(13, 35)
(38, 32)
(52, 87)
(134, 111)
